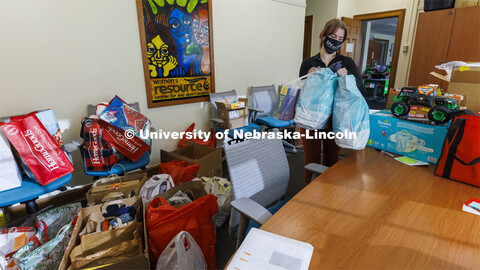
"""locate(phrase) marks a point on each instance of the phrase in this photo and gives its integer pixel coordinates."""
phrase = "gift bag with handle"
(164, 222)
(315, 102)
(350, 115)
(287, 99)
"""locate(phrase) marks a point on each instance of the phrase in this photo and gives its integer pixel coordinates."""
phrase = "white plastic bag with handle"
(157, 184)
(182, 253)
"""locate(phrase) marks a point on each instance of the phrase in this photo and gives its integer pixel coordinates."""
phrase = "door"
(431, 45)
(307, 37)
(352, 45)
(374, 50)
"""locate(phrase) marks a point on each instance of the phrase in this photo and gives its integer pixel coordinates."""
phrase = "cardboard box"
(209, 159)
(407, 138)
(466, 3)
(234, 115)
(129, 185)
(135, 262)
(466, 82)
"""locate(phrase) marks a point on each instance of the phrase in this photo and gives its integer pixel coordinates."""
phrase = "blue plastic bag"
(315, 103)
(350, 115)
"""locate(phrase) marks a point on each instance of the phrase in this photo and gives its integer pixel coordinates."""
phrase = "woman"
(331, 39)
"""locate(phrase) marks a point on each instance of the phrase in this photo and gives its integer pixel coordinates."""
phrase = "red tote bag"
(164, 222)
(460, 159)
(38, 149)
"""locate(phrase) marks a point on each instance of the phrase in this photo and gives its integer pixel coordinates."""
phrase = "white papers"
(349, 47)
(10, 176)
(267, 251)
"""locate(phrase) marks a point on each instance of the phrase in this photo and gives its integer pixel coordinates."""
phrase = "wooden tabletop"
(369, 211)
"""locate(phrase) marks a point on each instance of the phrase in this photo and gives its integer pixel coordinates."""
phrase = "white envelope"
(10, 176)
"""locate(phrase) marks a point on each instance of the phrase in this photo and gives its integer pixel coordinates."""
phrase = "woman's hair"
(332, 26)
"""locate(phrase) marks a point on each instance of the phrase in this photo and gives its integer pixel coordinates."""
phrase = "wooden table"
(371, 212)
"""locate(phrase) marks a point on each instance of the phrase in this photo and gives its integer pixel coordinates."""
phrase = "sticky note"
(463, 68)
(407, 160)
(20, 241)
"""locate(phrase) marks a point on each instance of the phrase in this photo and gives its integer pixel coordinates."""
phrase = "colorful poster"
(178, 59)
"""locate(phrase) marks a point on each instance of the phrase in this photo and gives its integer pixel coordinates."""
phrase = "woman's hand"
(342, 72)
(311, 70)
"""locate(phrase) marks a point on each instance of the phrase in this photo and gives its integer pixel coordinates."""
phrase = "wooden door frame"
(400, 13)
(307, 39)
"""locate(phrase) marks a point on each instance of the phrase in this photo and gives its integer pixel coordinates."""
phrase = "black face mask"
(331, 45)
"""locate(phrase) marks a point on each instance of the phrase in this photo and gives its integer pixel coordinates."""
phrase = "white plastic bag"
(222, 189)
(350, 115)
(11, 240)
(287, 99)
(315, 102)
(182, 253)
(157, 184)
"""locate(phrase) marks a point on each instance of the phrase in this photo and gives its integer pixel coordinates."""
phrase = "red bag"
(97, 153)
(178, 170)
(164, 222)
(460, 159)
(132, 148)
(211, 142)
(38, 149)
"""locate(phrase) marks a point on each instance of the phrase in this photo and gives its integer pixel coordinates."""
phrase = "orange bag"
(178, 170)
(211, 142)
(164, 222)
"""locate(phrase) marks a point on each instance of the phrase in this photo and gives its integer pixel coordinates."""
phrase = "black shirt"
(346, 62)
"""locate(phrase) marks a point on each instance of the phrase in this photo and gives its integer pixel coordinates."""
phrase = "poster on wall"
(177, 50)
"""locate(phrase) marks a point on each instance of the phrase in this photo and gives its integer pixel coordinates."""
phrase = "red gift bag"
(178, 170)
(164, 222)
(37, 148)
(211, 142)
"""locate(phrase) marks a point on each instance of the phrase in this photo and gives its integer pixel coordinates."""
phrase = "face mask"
(331, 45)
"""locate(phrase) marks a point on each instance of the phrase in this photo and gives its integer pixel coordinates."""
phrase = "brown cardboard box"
(467, 82)
(225, 108)
(136, 262)
(466, 3)
(209, 159)
(130, 185)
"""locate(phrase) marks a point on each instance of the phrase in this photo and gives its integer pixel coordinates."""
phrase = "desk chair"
(259, 173)
(30, 191)
(217, 121)
(264, 98)
(125, 165)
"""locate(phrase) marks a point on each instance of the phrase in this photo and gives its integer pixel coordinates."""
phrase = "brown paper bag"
(96, 250)
(128, 185)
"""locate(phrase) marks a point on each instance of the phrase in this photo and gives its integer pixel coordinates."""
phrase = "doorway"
(381, 34)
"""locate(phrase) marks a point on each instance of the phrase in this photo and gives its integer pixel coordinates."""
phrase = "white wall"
(64, 54)
(322, 11)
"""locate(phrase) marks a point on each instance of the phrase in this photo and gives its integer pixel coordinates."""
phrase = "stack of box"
(234, 113)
